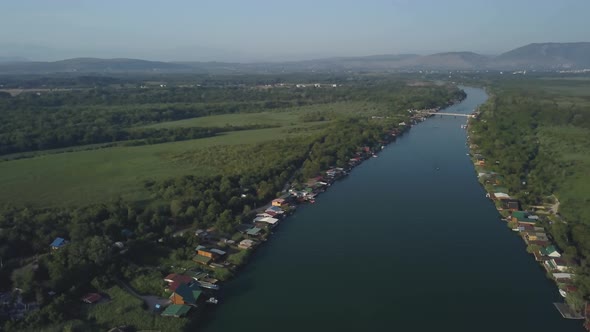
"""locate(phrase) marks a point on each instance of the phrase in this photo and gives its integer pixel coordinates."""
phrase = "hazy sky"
(275, 29)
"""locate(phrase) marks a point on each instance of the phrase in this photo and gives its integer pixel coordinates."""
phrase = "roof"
(176, 310)
(278, 200)
(254, 231)
(175, 280)
(217, 251)
(190, 294)
(522, 216)
(275, 209)
(519, 214)
(562, 275)
(58, 242)
(268, 220)
(547, 250)
(246, 243)
(201, 259)
(92, 298)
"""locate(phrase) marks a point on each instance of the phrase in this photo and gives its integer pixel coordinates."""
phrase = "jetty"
(567, 312)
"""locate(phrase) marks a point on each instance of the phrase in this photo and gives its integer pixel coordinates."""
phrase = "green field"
(91, 176)
(571, 145)
(84, 175)
(240, 119)
(284, 117)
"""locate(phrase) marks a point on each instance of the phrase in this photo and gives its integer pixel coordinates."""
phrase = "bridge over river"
(452, 114)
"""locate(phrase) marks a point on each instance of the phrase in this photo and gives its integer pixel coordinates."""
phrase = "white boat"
(562, 293)
(207, 285)
(212, 300)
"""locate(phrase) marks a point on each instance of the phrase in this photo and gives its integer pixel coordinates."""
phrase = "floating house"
(246, 244)
(550, 251)
(254, 231)
(269, 220)
(556, 264)
(500, 196)
(510, 204)
(523, 217)
(278, 202)
(274, 209)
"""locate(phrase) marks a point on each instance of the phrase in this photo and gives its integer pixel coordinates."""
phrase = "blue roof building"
(58, 243)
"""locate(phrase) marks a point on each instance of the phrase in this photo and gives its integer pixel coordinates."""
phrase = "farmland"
(84, 177)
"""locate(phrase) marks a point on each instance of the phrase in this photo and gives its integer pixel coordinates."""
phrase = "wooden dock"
(567, 312)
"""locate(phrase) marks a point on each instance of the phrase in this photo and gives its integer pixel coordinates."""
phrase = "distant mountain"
(447, 61)
(545, 56)
(12, 59)
(94, 65)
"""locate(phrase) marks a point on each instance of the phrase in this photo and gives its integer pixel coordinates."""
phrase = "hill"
(545, 56)
(447, 61)
(85, 65)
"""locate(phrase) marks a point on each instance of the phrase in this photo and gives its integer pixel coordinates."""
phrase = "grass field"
(240, 119)
(284, 117)
(92, 176)
(51, 178)
(572, 146)
(124, 309)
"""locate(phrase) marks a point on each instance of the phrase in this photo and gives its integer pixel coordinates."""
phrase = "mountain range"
(538, 56)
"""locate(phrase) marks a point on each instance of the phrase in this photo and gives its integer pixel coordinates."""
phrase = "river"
(407, 242)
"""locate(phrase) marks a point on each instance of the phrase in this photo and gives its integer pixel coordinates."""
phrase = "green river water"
(397, 246)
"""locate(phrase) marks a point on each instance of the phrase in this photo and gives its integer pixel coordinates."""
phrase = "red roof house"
(174, 280)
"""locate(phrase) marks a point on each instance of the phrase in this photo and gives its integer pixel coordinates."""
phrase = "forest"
(41, 121)
(55, 280)
(536, 133)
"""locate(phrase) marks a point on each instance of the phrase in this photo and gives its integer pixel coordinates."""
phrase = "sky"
(274, 30)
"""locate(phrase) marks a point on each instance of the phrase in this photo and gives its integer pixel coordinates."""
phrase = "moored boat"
(208, 285)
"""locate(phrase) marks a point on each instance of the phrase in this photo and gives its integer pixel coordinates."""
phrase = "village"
(197, 288)
(190, 291)
(528, 223)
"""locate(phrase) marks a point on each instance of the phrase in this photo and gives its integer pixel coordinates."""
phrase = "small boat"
(562, 293)
(374, 156)
(212, 300)
(208, 285)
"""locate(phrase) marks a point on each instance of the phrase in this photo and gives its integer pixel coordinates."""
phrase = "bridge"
(452, 114)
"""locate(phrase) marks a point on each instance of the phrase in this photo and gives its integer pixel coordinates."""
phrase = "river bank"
(405, 236)
(220, 256)
(531, 224)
